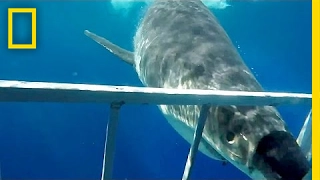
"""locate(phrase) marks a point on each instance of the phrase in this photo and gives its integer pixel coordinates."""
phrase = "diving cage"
(23, 91)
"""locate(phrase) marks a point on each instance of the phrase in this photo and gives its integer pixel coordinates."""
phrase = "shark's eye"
(230, 137)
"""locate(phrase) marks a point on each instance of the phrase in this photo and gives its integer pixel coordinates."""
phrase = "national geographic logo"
(33, 12)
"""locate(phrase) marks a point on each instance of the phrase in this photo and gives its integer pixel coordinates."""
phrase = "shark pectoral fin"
(125, 55)
(305, 142)
(304, 138)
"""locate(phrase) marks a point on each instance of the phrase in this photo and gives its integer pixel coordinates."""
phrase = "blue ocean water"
(66, 141)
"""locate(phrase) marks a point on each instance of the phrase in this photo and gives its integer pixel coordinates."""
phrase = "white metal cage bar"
(196, 141)
(110, 142)
(22, 91)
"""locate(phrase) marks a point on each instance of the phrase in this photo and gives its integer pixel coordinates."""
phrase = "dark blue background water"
(65, 141)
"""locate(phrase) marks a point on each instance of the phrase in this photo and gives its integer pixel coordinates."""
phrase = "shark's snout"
(278, 156)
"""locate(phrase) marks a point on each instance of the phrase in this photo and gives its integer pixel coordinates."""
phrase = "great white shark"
(180, 44)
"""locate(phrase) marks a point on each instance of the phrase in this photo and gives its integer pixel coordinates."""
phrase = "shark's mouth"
(278, 156)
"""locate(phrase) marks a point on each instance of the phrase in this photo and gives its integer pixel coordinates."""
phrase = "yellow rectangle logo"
(34, 30)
